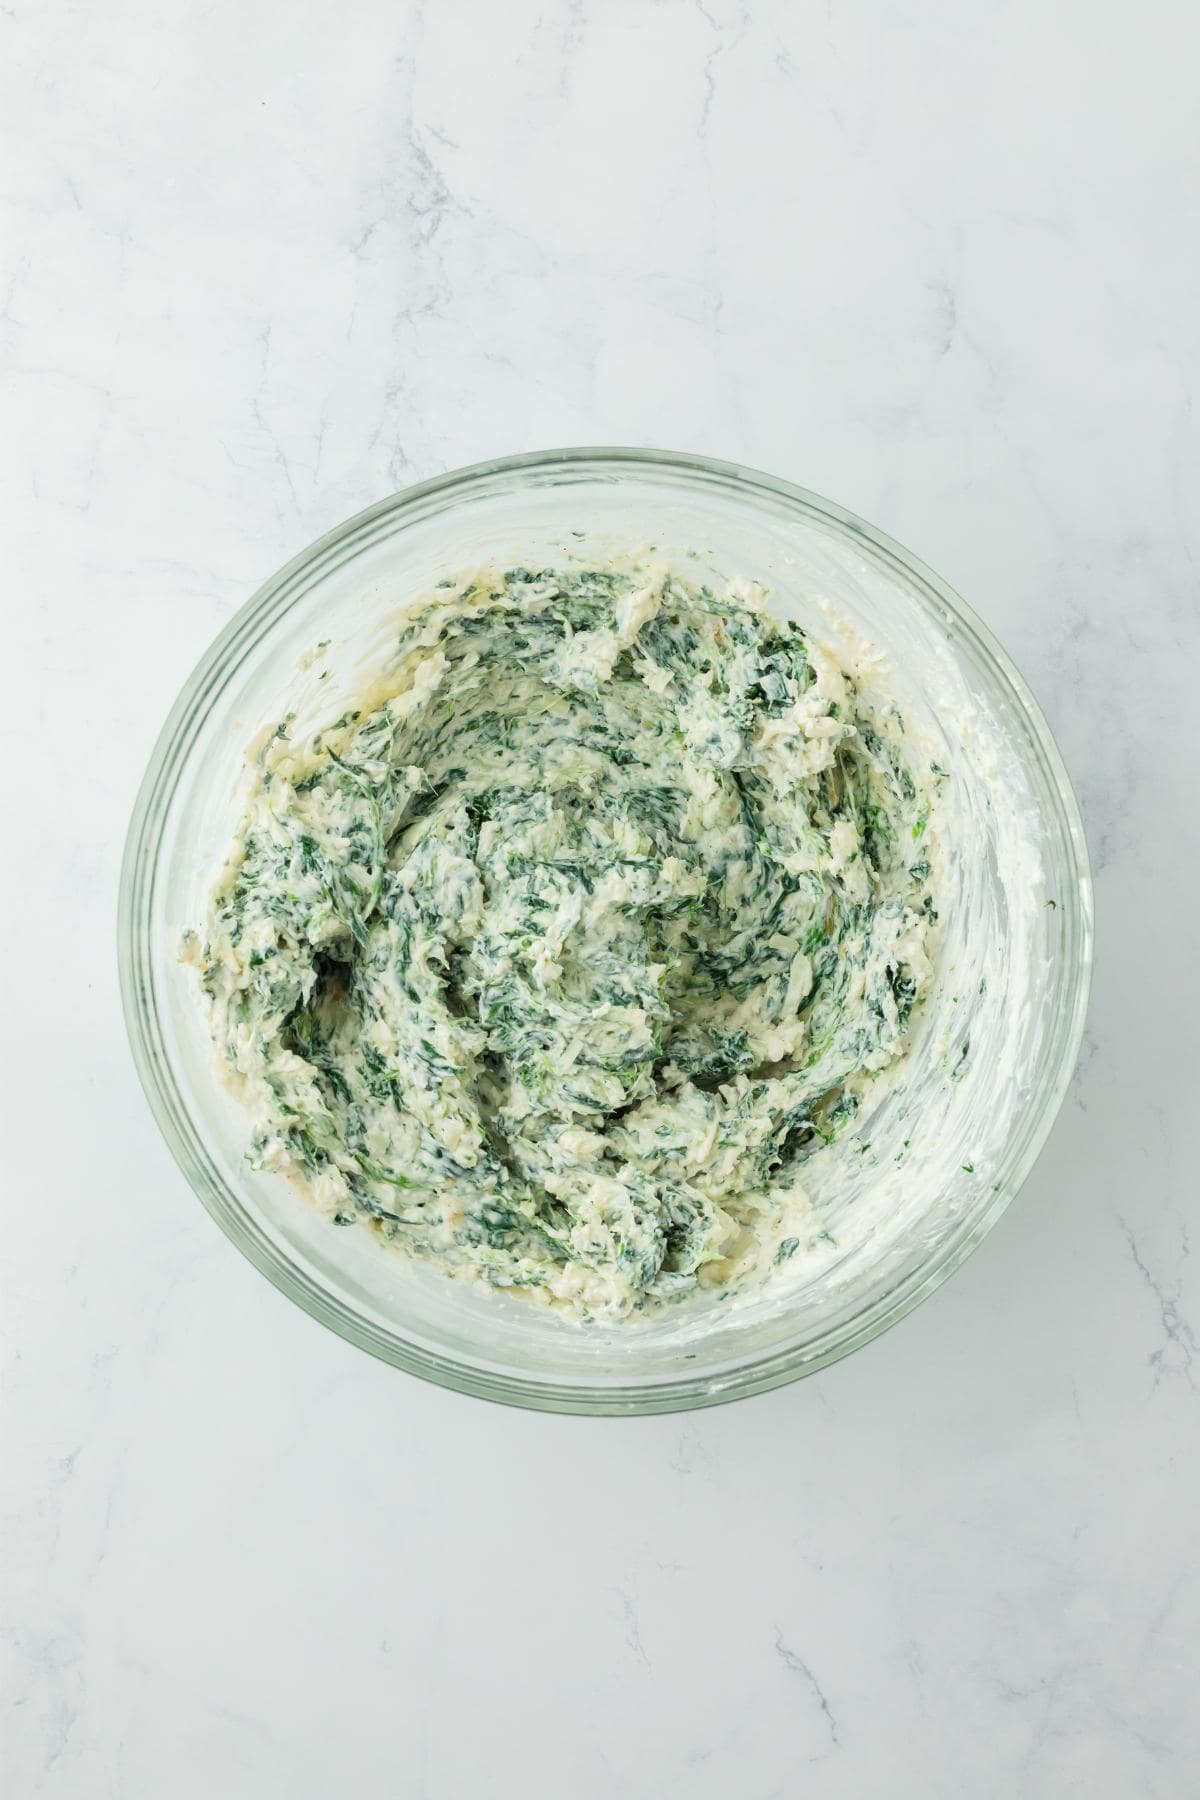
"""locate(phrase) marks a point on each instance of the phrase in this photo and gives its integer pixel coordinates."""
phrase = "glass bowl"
(932, 1163)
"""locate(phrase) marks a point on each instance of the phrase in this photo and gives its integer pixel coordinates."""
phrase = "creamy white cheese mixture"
(557, 958)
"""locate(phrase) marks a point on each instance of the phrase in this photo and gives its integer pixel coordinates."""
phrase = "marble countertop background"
(266, 262)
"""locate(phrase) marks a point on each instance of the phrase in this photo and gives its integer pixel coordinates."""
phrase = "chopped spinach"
(557, 964)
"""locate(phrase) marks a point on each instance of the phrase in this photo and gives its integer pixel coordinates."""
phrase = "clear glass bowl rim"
(139, 871)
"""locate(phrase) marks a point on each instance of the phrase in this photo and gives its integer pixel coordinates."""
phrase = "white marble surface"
(265, 262)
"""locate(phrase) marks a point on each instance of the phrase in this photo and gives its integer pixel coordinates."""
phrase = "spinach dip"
(556, 959)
